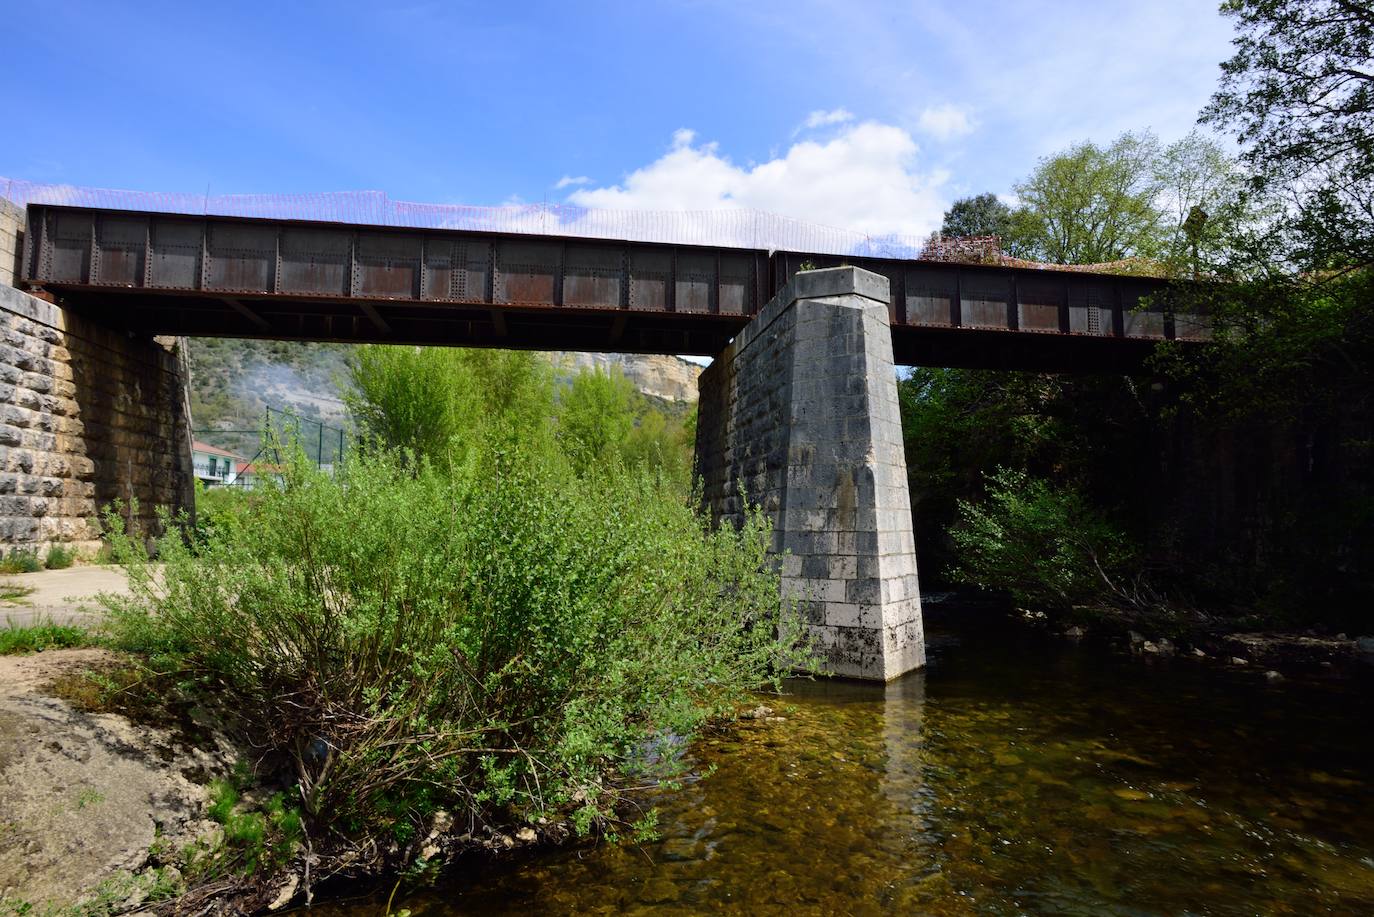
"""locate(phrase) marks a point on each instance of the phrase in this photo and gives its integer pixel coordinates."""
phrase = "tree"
(595, 417)
(980, 215)
(1091, 204)
(426, 399)
(1299, 95)
(1202, 201)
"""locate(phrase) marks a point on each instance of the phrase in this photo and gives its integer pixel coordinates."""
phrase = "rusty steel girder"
(226, 276)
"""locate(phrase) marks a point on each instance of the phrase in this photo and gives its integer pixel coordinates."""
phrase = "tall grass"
(35, 637)
(499, 640)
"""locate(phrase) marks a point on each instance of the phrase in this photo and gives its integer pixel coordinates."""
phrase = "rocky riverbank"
(94, 809)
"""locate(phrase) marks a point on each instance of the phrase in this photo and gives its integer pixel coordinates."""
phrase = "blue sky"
(867, 115)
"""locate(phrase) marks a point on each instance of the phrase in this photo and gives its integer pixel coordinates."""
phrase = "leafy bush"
(433, 400)
(496, 640)
(39, 636)
(252, 841)
(21, 560)
(595, 417)
(219, 510)
(603, 419)
(1045, 546)
(59, 557)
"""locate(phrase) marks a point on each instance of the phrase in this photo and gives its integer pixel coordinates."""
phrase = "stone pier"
(89, 414)
(800, 413)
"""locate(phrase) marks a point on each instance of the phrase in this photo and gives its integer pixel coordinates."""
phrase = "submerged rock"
(679, 849)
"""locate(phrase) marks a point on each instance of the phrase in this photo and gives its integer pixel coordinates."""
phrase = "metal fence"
(727, 227)
(319, 442)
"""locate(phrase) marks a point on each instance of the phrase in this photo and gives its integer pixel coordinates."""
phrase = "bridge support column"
(800, 410)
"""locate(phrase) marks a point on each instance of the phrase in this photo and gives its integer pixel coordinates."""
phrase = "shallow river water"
(1011, 776)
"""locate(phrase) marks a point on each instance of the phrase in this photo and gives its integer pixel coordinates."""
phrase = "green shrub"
(16, 639)
(252, 840)
(1045, 546)
(437, 402)
(499, 641)
(219, 510)
(21, 560)
(59, 557)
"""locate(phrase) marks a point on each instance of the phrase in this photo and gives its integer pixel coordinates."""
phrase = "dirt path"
(83, 795)
(64, 596)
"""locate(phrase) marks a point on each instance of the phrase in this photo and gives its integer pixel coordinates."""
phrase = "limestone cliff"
(666, 377)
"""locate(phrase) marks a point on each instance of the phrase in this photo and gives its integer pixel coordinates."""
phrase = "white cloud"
(866, 179)
(820, 118)
(1062, 72)
(945, 122)
(568, 181)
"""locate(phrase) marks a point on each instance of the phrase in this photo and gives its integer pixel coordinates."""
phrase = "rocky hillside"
(234, 381)
(670, 379)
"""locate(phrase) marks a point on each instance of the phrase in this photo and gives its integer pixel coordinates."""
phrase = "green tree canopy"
(424, 399)
(1091, 204)
(1203, 203)
(1299, 95)
(979, 215)
(596, 416)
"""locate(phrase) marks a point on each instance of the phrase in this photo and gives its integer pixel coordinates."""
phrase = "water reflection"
(1004, 779)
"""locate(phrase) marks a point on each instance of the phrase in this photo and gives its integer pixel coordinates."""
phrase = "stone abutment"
(89, 415)
(799, 416)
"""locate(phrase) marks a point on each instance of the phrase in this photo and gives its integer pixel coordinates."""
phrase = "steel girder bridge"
(174, 274)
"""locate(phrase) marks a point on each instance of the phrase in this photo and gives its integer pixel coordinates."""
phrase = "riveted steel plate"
(176, 249)
(526, 272)
(983, 300)
(696, 280)
(650, 274)
(929, 295)
(67, 256)
(592, 276)
(1038, 302)
(1090, 307)
(1138, 321)
(456, 271)
(388, 266)
(121, 243)
(242, 257)
(315, 261)
(736, 284)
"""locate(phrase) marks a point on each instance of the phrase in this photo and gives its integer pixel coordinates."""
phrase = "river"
(1015, 774)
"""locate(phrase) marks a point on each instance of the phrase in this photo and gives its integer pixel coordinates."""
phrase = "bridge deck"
(233, 277)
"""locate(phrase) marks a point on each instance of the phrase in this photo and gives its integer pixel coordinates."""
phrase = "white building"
(215, 466)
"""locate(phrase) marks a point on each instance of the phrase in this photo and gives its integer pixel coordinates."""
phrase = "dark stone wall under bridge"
(89, 414)
(800, 413)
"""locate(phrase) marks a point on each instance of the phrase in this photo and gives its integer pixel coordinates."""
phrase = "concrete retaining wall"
(801, 412)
